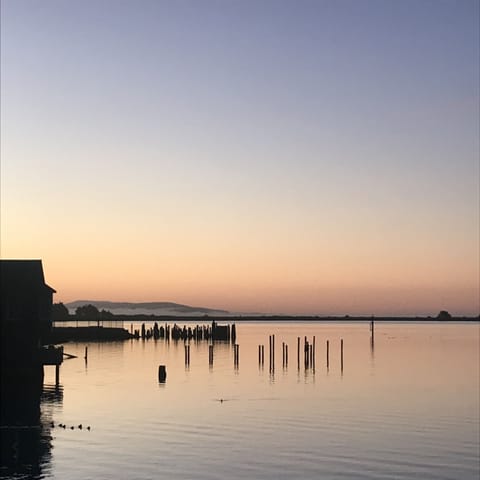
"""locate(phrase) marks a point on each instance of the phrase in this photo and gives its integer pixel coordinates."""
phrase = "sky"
(298, 157)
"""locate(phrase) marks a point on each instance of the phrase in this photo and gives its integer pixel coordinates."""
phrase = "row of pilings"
(306, 357)
(176, 332)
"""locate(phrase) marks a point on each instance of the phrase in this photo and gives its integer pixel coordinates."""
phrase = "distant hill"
(146, 308)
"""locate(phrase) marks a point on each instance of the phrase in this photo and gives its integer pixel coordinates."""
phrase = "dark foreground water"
(405, 407)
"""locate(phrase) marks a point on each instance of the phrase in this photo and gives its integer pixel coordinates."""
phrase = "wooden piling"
(286, 355)
(210, 354)
(341, 354)
(270, 352)
(259, 354)
(162, 373)
(263, 354)
(328, 353)
(86, 354)
(236, 353)
(57, 374)
(298, 352)
(313, 350)
(273, 352)
(305, 352)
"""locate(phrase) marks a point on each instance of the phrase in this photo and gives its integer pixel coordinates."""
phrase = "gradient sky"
(275, 156)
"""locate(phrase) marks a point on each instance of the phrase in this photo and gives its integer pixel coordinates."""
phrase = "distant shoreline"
(266, 318)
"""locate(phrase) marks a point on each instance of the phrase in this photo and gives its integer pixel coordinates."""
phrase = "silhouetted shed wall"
(25, 317)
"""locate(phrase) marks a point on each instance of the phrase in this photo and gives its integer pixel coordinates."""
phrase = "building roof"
(22, 275)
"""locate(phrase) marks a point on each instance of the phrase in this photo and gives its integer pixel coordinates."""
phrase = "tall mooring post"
(210, 354)
(298, 353)
(273, 352)
(284, 354)
(328, 354)
(306, 352)
(270, 352)
(236, 354)
(313, 349)
(341, 354)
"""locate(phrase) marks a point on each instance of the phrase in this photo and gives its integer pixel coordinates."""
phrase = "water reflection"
(26, 432)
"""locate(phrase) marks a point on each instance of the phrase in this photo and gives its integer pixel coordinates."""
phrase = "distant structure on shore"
(25, 319)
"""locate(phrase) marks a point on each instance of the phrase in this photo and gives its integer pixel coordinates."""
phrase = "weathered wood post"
(57, 374)
(341, 354)
(273, 352)
(259, 354)
(283, 354)
(210, 354)
(305, 352)
(328, 353)
(86, 353)
(270, 352)
(162, 373)
(263, 354)
(286, 355)
(298, 353)
(313, 356)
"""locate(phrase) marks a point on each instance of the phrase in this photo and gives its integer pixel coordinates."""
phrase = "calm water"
(408, 407)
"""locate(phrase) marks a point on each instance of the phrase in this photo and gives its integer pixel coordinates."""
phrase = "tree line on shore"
(90, 312)
(86, 312)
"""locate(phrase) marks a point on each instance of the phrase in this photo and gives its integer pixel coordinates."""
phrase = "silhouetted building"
(26, 305)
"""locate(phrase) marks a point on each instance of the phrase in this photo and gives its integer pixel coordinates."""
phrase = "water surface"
(405, 407)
